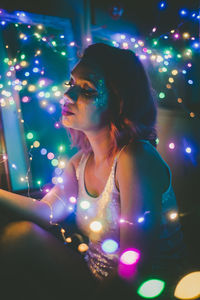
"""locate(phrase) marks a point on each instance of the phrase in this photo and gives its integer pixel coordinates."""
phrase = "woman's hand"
(54, 206)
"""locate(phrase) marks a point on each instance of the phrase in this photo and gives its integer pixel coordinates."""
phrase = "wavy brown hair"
(132, 108)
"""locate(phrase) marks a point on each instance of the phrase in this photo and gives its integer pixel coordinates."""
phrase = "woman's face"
(86, 99)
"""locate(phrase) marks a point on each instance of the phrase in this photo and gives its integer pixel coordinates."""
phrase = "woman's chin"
(66, 123)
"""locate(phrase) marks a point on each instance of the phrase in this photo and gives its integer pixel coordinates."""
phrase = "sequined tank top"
(98, 218)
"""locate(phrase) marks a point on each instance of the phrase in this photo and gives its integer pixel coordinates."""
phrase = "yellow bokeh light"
(24, 82)
(171, 80)
(192, 115)
(153, 57)
(188, 287)
(96, 226)
(68, 240)
(179, 100)
(173, 215)
(31, 88)
(17, 88)
(22, 35)
(38, 52)
(36, 144)
(3, 102)
(61, 164)
(57, 93)
(174, 72)
(40, 27)
(23, 63)
(82, 247)
(43, 102)
(168, 86)
(159, 58)
(186, 35)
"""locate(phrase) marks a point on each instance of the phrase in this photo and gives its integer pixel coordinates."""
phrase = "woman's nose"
(67, 99)
(72, 94)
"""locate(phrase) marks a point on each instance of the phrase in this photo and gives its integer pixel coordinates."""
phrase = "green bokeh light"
(151, 288)
(29, 135)
(54, 162)
(162, 95)
(61, 148)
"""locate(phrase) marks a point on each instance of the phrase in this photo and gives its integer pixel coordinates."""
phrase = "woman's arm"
(54, 206)
(142, 179)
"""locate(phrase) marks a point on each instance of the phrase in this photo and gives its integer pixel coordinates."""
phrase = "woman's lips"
(67, 112)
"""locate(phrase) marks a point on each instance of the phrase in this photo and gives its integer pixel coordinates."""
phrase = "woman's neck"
(100, 143)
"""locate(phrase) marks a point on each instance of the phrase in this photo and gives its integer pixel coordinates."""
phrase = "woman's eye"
(83, 91)
(69, 84)
(87, 92)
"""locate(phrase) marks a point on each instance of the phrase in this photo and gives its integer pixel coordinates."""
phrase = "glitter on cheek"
(101, 100)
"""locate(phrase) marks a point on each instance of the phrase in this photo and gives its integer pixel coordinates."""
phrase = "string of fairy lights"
(167, 60)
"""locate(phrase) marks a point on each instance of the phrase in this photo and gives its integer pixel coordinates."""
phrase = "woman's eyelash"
(69, 83)
(84, 91)
(88, 92)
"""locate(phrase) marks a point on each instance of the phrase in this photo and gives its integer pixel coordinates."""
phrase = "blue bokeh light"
(162, 4)
(109, 246)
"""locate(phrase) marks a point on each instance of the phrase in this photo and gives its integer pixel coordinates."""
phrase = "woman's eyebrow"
(88, 80)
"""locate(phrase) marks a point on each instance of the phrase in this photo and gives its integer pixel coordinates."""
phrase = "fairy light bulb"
(188, 150)
(72, 199)
(188, 286)
(174, 72)
(36, 144)
(186, 35)
(171, 80)
(179, 100)
(31, 88)
(130, 257)
(140, 220)
(43, 151)
(151, 288)
(82, 247)
(5, 157)
(61, 164)
(84, 204)
(40, 27)
(192, 115)
(161, 95)
(50, 155)
(109, 246)
(60, 180)
(29, 135)
(173, 215)
(68, 240)
(171, 146)
(54, 162)
(96, 226)
(125, 45)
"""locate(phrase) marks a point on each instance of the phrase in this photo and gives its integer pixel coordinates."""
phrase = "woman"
(121, 183)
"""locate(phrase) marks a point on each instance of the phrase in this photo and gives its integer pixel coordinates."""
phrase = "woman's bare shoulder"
(147, 158)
